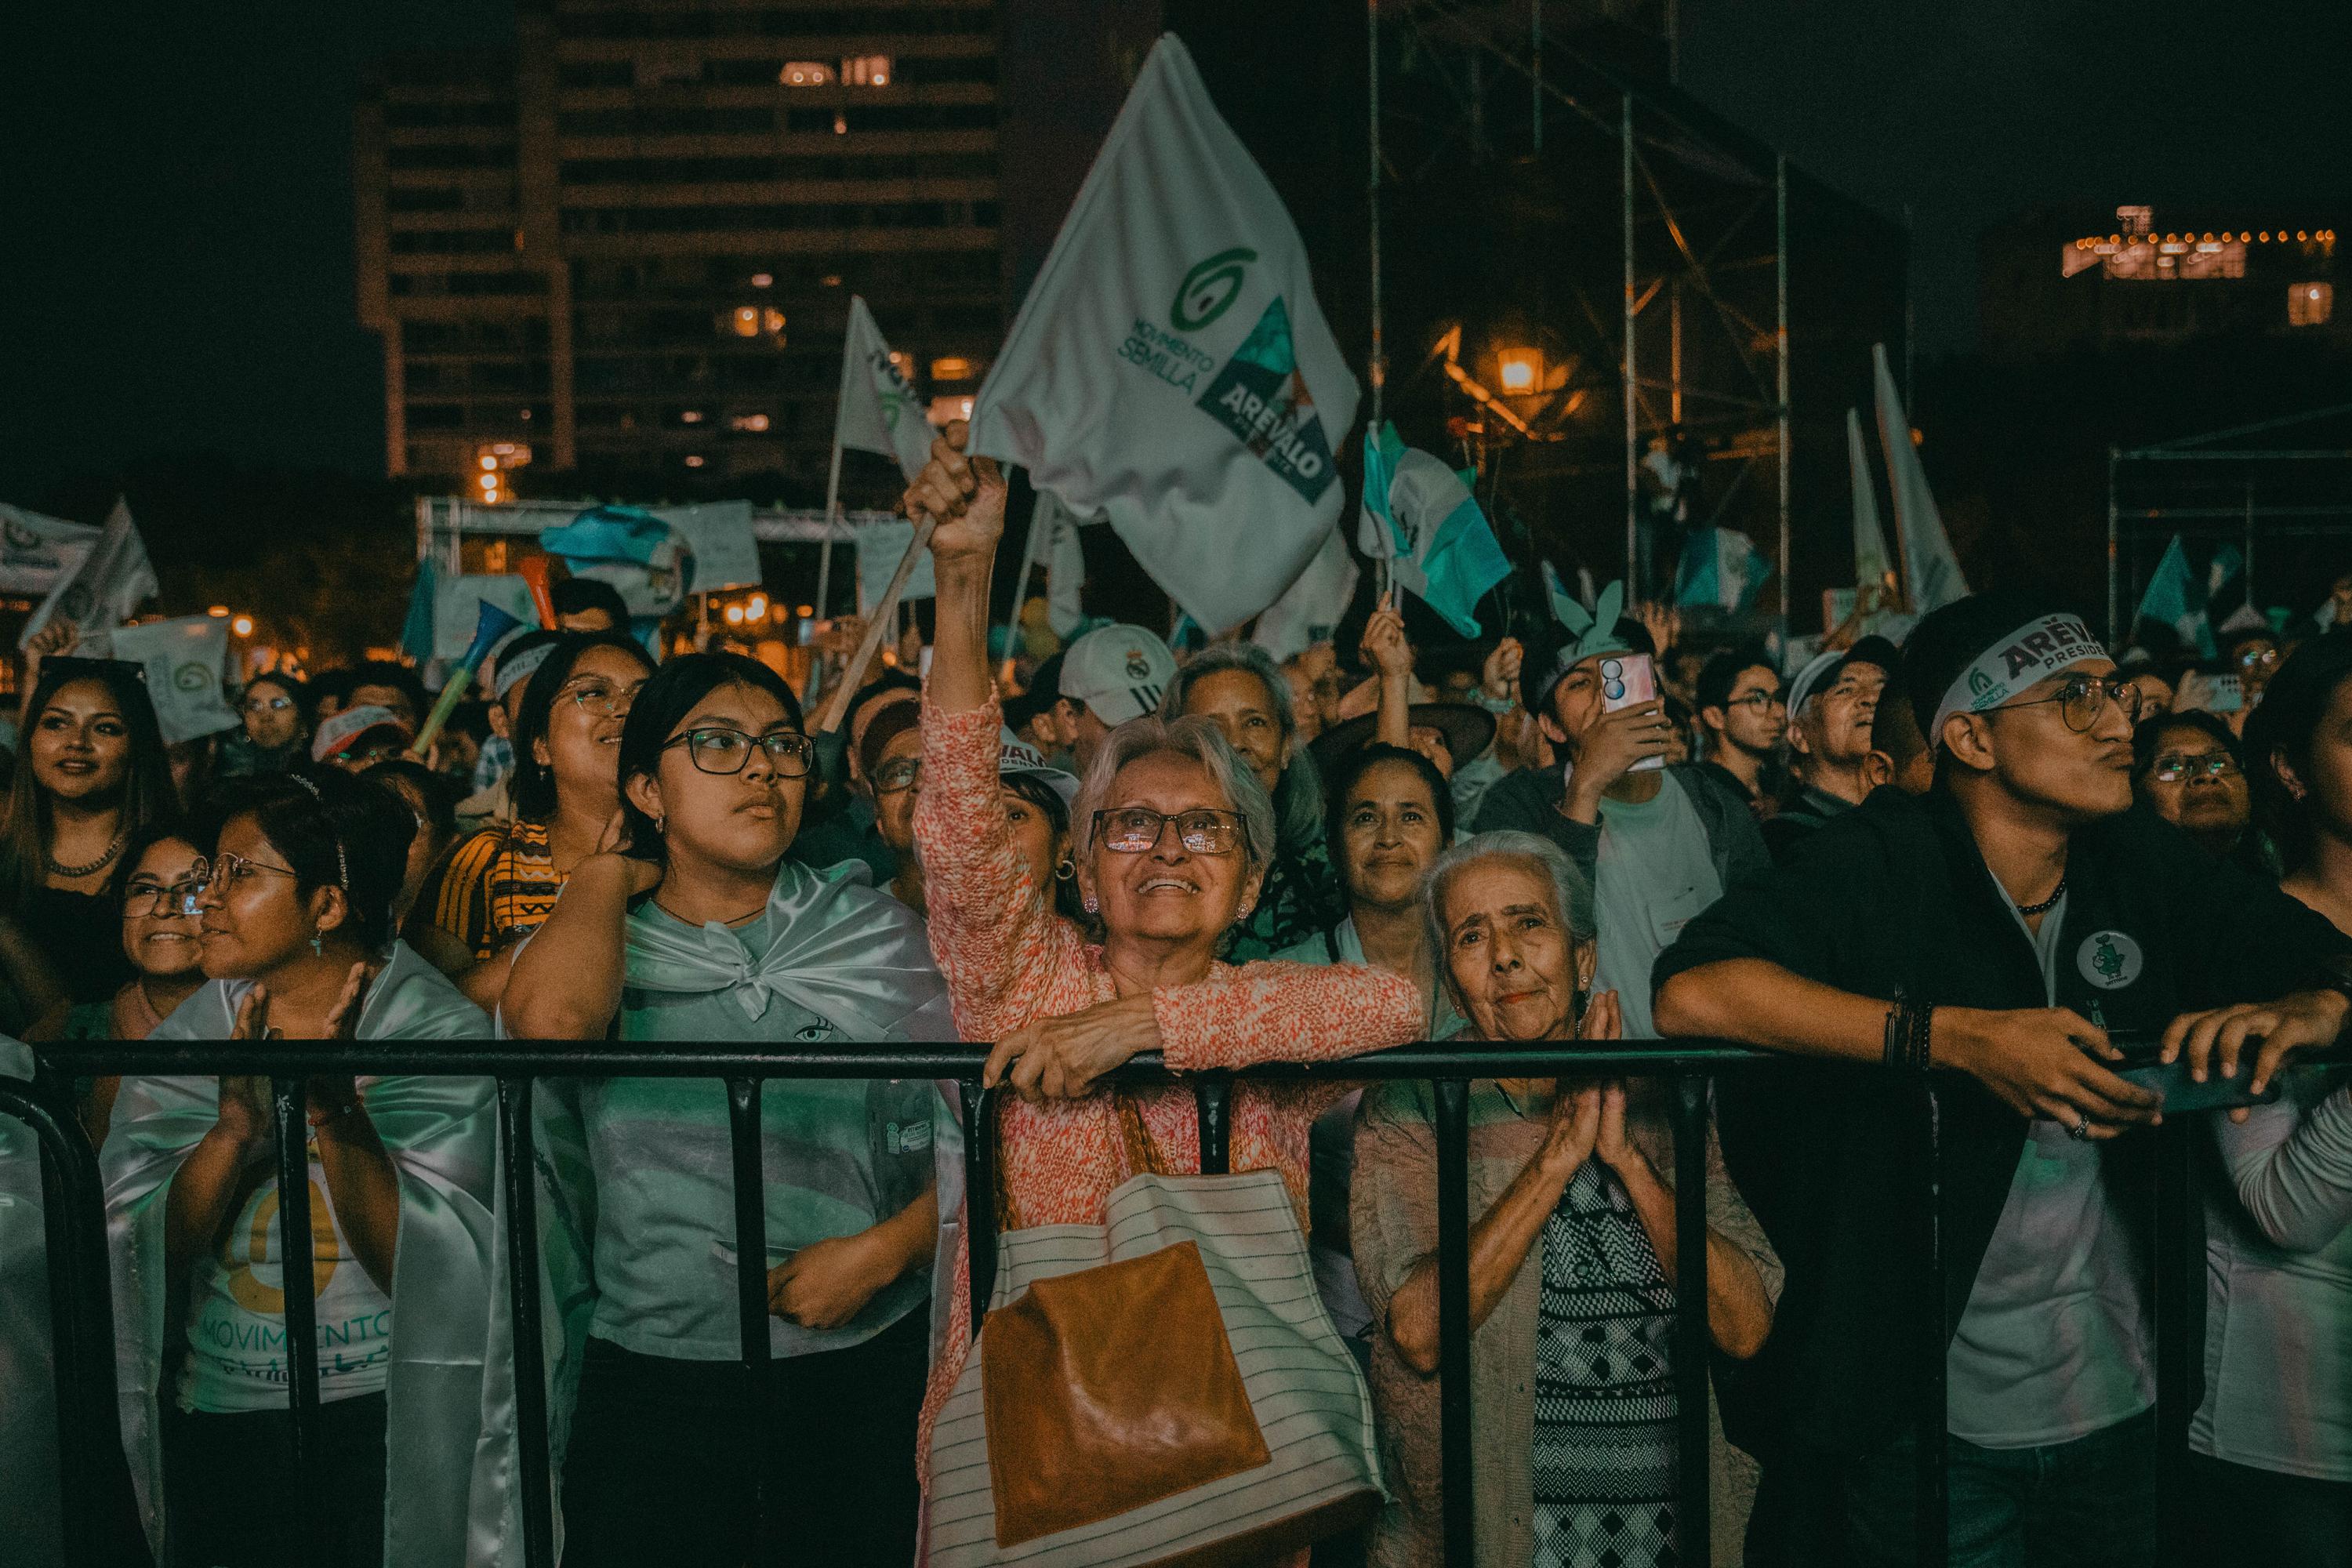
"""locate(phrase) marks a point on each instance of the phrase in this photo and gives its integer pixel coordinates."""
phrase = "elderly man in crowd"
(1571, 1254)
(1830, 705)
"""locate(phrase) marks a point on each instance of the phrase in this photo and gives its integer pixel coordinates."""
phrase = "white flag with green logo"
(879, 410)
(1171, 367)
(104, 589)
(184, 661)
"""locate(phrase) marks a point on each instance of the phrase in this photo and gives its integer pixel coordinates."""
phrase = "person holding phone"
(2001, 928)
(1660, 844)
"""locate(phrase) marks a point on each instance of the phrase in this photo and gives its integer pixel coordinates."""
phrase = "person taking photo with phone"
(1990, 940)
(1659, 843)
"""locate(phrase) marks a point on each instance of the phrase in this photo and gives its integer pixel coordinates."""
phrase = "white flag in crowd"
(879, 410)
(184, 661)
(1171, 368)
(1872, 564)
(1310, 609)
(35, 550)
(105, 590)
(1054, 536)
(879, 547)
(1931, 573)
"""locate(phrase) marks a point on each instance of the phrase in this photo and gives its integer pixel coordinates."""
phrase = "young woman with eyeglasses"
(1173, 834)
(694, 925)
(276, 735)
(90, 773)
(497, 886)
(157, 889)
(295, 921)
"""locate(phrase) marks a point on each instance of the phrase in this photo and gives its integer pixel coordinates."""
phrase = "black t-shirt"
(1895, 893)
(82, 936)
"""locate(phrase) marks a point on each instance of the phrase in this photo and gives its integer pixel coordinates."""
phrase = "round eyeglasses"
(2085, 697)
(230, 872)
(601, 700)
(730, 751)
(906, 772)
(147, 899)
(2176, 766)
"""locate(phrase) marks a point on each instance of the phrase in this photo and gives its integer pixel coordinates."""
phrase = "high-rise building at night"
(625, 251)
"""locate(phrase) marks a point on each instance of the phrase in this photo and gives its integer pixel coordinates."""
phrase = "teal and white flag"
(1450, 558)
(1720, 567)
(1170, 366)
(879, 411)
(1873, 564)
(1931, 573)
(186, 662)
(2184, 599)
(104, 589)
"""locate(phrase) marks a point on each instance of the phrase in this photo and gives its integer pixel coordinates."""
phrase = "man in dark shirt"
(1744, 716)
(2033, 915)
(1832, 703)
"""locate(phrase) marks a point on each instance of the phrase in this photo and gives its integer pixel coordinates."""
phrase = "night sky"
(177, 191)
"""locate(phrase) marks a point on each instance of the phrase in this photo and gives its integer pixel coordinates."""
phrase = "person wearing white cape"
(296, 908)
(697, 928)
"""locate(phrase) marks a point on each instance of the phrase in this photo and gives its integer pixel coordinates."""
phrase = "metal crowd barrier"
(82, 1317)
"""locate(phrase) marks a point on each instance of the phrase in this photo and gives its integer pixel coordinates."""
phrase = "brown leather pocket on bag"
(1109, 1389)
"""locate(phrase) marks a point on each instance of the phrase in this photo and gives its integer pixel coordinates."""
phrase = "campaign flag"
(1310, 609)
(1170, 366)
(105, 589)
(1720, 567)
(184, 661)
(2183, 599)
(458, 604)
(1931, 573)
(879, 411)
(1873, 565)
(1376, 531)
(1453, 558)
(719, 536)
(879, 547)
(417, 627)
(35, 550)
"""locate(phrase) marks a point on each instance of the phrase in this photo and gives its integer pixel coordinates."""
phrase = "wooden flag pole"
(832, 517)
(885, 616)
(1037, 518)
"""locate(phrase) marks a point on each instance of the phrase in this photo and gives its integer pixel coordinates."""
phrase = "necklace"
(2046, 905)
(100, 864)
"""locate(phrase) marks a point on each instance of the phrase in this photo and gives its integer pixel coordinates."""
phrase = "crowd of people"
(1978, 860)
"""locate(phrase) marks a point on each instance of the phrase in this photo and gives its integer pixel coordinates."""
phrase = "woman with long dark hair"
(693, 925)
(497, 886)
(297, 942)
(90, 773)
(2273, 1472)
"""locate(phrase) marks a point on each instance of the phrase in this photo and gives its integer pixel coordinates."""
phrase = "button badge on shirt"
(2109, 960)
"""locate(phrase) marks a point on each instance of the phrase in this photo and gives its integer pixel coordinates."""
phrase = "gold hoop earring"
(1065, 872)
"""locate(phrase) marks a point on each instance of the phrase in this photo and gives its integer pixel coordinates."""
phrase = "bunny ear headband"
(1590, 632)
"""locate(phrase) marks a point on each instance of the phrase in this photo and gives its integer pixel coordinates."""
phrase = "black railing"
(81, 1314)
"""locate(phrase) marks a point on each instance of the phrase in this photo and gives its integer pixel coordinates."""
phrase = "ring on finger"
(2082, 1128)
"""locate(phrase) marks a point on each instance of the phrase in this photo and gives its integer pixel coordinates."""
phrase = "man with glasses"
(1744, 715)
(1832, 703)
(890, 760)
(2003, 928)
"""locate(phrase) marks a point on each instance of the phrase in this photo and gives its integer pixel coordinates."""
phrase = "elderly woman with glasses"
(1571, 1253)
(693, 925)
(2189, 769)
(1172, 837)
(296, 942)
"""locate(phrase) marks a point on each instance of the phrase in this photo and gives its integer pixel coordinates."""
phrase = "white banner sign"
(186, 661)
(879, 547)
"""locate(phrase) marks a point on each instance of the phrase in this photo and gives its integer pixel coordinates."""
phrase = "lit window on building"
(745, 321)
(751, 424)
(694, 460)
(945, 408)
(691, 416)
(805, 73)
(771, 321)
(865, 71)
(2310, 304)
(763, 279)
(952, 367)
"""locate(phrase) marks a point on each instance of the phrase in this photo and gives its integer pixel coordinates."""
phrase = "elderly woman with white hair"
(1238, 687)
(1571, 1254)
(1170, 837)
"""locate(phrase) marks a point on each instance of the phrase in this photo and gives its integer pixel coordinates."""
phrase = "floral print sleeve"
(1000, 945)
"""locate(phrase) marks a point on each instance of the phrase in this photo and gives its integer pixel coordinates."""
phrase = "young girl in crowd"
(497, 886)
(91, 775)
(2272, 1442)
(692, 925)
(296, 913)
(158, 894)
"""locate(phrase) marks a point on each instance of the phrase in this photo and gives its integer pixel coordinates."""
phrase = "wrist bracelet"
(1910, 1035)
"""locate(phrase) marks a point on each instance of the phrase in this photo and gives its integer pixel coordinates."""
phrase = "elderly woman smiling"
(1172, 837)
(1571, 1254)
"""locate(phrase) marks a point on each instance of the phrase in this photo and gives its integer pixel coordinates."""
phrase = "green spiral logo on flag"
(1209, 289)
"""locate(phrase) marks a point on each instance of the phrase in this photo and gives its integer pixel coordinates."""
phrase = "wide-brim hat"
(1467, 730)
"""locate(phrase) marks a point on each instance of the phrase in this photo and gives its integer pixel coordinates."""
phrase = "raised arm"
(2292, 1168)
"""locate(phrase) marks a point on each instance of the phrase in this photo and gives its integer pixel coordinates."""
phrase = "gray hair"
(1298, 804)
(1571, 891)
(1195, 740)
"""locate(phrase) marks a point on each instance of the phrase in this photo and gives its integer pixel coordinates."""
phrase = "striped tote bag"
(1164, 1388)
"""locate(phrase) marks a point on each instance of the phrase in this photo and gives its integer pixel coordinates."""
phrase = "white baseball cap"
(1118, 671)
(341, 732)
(1015, 755)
